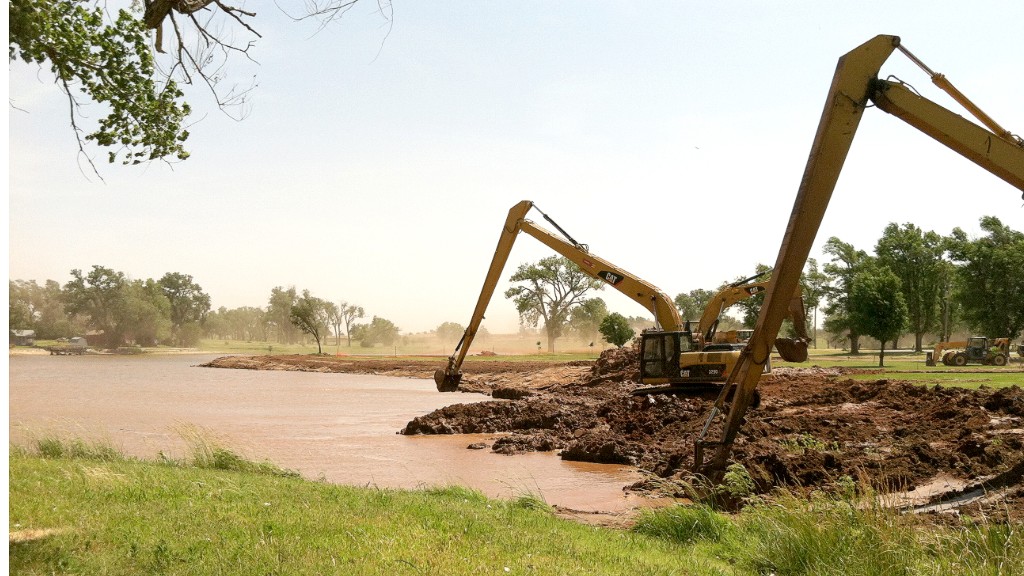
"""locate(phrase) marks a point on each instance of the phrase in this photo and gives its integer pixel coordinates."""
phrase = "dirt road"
(957, 449)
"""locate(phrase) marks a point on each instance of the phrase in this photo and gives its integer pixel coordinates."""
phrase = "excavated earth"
(934, 449)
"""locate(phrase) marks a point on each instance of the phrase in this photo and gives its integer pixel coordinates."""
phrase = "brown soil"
(958, 448)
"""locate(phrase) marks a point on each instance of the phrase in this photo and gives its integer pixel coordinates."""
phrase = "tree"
(98, 296)
(247, 323)
(752, 306)
(585, 319)
(949, 306)
(39, 308)
(349, 313)
(915, 257)
(550, 289)
(378, 331)
(814, 283)
(615, 329)
(143, 314)
(109, 61)
(334, 321)
(99, 55)
(189, 307)
(691, 305)
(639, 323)
(450, 331)
(279, 314)
(846, 261)
(991, 278)
(21, 309)
(876, 306)
(309, 314)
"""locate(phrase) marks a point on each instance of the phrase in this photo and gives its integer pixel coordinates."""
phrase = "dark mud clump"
(814, 427)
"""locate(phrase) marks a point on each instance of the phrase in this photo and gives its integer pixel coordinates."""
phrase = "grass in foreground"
(97, 514)
(83, 509)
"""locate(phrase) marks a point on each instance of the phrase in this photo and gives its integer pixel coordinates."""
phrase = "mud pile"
(814, 427)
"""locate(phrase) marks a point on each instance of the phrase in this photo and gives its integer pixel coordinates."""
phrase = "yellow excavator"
(707, 326)
(672, 358)
(855, 86)
(700, 363)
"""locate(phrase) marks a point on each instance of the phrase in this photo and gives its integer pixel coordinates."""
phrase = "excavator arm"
(791, 349)
(650, 297)
(854, 85)
(726, 297)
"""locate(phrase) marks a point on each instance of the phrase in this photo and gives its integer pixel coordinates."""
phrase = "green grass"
(838, 535)
(83, 509)
(123, 516)
(910, 366)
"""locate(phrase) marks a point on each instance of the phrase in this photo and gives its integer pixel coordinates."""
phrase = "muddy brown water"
(338, 427)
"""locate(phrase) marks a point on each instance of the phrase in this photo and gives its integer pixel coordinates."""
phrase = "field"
(951, 440)
(81, 509)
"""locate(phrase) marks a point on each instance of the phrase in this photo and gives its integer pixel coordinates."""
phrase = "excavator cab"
(673, 361)
(659, 355)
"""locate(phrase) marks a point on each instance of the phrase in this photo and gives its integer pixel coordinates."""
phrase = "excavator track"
(705, 391)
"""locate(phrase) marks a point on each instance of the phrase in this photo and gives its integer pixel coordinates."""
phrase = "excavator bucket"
(791, 349)
(447, 382)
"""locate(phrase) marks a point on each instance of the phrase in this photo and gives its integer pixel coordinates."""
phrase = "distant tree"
(189, 307)
(309, 314)
(450, 331)
(691, 304)
(585, 319)
(99, 296)
(751, 307)
(21, 310)
(334, 321)
(143, 316)
(846, 261)
(41, 309)
(950, 310)
(247, 324)
(378, 331)
(549, 290)
(814, 283)
(915, 257)
(639, 323)
(991, 278)
(876, 305)
(615, 329)
(279, 312)
(349, 313)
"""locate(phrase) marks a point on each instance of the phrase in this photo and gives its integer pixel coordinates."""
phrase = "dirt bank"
(814, 427)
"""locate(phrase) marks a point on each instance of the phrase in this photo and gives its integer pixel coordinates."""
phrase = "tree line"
(917, 283)
(115, 310)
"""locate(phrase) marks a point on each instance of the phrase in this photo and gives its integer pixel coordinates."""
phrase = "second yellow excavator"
(673, 358)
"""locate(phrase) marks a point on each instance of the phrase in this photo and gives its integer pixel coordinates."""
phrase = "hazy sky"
(379, 160)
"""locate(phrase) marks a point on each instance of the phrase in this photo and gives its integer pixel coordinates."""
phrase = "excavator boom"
(854, 85)
(650, 297)
(791, 349)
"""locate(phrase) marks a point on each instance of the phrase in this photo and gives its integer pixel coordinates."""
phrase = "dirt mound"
(814, 426)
